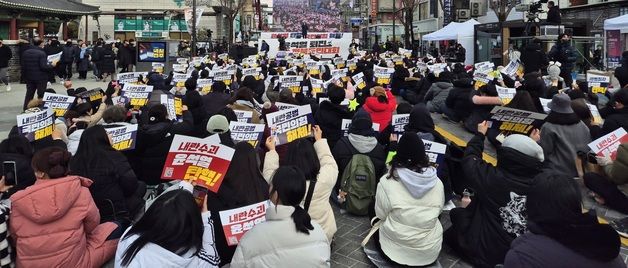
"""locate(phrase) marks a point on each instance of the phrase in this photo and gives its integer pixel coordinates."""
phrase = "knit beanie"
(553, 70)
(411, 150)
(522, 144)
(157, 113)
(362, 124)
(217, 124)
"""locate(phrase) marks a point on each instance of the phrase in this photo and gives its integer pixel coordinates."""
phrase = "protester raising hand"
(536, 135)
(318, 133)
(483, 127)
(270, 143)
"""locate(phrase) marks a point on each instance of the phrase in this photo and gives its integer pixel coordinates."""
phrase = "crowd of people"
(80, 203)
(322, 18)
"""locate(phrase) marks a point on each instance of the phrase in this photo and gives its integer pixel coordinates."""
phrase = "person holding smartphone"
(15, 155)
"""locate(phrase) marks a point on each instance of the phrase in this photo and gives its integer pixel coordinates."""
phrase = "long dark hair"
(92, 151)
(522, 101)
(17, 144)
(52, 161)
(301, 153)
(289, 185)
(244, 175)
(172, 222)
(554, 198)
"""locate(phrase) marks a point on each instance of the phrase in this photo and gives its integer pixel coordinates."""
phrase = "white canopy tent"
(612, 57)
(617, 23)
(463, 33)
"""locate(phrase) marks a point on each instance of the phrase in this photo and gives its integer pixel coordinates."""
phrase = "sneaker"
(8, 88)
(621, 226)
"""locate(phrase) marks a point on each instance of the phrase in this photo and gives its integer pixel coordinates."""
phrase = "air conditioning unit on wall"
(463, 14)
(478, 8)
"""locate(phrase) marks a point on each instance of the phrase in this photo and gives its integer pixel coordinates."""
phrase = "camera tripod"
(532, 23)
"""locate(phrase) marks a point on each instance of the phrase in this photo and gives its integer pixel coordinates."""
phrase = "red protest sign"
(236, 222)
(204, 161)
(608, 144)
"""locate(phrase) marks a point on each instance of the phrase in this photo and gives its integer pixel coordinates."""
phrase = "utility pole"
(193, 54)
(394, 19)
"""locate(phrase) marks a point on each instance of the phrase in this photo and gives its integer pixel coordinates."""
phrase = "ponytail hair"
(289, 184)
(53, 161)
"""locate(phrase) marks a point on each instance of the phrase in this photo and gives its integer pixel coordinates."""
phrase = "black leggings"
(613, 197)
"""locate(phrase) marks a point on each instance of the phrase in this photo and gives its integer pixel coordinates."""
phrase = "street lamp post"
(394, 20)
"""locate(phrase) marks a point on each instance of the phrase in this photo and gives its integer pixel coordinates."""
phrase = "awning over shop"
(67, 7)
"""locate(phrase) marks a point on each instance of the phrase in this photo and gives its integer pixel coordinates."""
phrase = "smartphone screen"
(199, 195)
(9, 172)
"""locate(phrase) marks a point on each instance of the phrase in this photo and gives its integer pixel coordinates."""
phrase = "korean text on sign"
(399, 122)
(60, 104)
(514, 120)
(236, 222)
(608, 144)
(138, 95)
(204, 161)
(123, 138)
(291, 124)
(251, 133)
(36, 126)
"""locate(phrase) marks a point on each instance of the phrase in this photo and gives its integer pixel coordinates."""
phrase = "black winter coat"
(153, 143)
(343, 152)
(35, 65)
(124, 55)
(215, 101)
(497, 211)
(329, 117)
(5, 55)
(107, 63)
(533, 58)
(458, 99)
(615, 120)
(622, 74)
(114, 183)
(68, 54)
(565, 54)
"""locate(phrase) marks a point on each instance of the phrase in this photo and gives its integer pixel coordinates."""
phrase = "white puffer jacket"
(276, 243)
(408, 207)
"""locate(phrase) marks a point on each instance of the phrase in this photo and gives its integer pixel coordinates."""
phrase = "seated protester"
(153, 142)
(559, 234)
(288, 237)
(415, 91)
(218, 124)
(173, 232)
(55, 222)
(583, 112)
(115, 116)
(87, 114)
(482, 232)
(243, 101)
(193, 101)
(621, 72)
(458, 103)
(320, 170)
(159, 88)
(484, 100)
(438, 92)
(115, 189)
(398, 80)
(534, 84)
(408, 201)
(552, 80)
(243, 185)
(563, 135)
(421, 122)
(619, 115)
(383, 137)
(361, 140)
(380, 105)
(75, 132)
(330, 114)
(217, 99)
(610, 188)
(17, 148)
(521, 101)
(363, 94)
